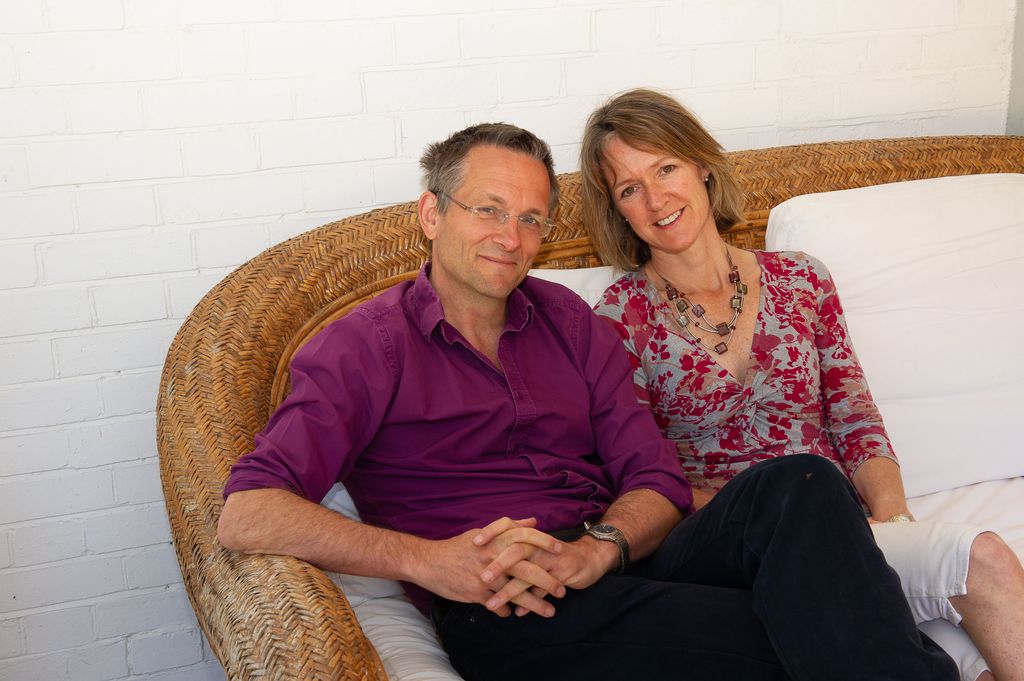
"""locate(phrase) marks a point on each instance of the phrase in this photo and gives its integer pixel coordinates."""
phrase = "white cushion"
(404, 638)
(929, 274)
(588, 282)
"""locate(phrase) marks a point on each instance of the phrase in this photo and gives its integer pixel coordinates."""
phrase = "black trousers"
(777, 578)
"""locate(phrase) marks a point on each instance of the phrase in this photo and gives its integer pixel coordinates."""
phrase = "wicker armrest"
(280, 618)
(264, 616)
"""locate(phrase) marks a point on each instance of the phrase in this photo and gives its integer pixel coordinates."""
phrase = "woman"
(744, 356)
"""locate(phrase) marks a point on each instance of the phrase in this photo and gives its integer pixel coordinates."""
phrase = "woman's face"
(664, 198)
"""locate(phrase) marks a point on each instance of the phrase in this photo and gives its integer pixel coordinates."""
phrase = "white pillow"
(929, 274)
(404, 638)
(588, 282)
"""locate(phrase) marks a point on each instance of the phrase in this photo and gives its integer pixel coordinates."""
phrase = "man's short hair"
(444, 163)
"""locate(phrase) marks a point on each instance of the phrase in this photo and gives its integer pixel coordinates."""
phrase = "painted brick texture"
(197, 134)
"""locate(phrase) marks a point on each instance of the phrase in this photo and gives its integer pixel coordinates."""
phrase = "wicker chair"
(280, 618)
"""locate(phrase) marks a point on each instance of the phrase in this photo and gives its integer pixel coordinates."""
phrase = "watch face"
(606, 532)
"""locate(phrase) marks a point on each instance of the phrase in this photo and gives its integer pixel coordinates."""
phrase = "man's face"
(476, 262)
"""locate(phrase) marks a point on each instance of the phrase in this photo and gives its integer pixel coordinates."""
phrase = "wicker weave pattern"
(279, 618)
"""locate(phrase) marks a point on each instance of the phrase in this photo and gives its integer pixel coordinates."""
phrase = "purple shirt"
(431, 439)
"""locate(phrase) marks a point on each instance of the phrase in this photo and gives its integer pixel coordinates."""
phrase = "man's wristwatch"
(901, 518)
(606, 532)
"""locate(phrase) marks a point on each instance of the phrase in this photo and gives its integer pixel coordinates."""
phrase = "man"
(479, 418)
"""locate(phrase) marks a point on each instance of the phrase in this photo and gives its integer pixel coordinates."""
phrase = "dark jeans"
(777, 578)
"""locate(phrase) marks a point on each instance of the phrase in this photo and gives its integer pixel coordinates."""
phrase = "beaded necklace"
(699, 319)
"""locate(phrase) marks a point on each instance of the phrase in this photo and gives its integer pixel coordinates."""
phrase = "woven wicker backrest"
(277, 617)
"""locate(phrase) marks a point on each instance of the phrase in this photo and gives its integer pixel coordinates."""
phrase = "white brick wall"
(26, 361)
(68, 628)
(57, 493)
(115, 441)
(48, 541)
(6, 555)
(136, 207)
(99, 662)
(148, 611)
(39, 214)
(104, 158)
(156, 651)
(33, 452)
(147, 147)
(72, 580)
(152, 567)
(57, 59)
(48, 403)
(10, 638)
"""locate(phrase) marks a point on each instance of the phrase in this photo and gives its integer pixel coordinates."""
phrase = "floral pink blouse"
(803, 392)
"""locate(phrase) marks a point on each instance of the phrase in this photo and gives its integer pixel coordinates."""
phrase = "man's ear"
(428, 212)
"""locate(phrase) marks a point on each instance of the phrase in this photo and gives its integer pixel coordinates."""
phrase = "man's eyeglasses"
(534, 224)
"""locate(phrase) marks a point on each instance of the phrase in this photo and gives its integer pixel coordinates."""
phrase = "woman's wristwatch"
(606, 532)
(901, 518)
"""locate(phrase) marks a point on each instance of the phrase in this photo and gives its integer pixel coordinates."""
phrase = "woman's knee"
(812, 479)
(802, 468)
(992, 563)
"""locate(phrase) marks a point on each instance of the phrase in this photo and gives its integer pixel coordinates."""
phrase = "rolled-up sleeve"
(341, 381)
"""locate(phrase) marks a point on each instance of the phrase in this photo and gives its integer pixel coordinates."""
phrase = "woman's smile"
(666, 221)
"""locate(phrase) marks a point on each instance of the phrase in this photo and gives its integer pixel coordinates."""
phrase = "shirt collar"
(427, 310)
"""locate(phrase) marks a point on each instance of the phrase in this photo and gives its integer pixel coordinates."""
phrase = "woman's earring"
(707, 178)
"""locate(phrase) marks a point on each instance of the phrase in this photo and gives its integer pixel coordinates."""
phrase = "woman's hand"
(880, 485)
